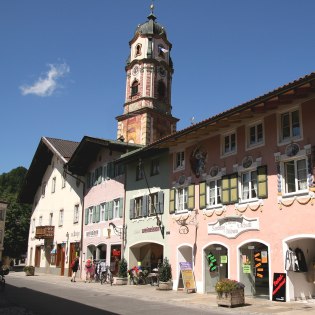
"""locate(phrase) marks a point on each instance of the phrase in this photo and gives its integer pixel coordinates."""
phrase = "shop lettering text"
(151, 229)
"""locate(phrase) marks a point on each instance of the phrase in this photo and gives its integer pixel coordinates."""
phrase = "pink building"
(242, 194)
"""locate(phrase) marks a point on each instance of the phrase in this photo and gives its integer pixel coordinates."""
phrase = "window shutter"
(93, 216)
(202, 195)
(97, 214)
(132, 209)
(160, 208)
(121, 207)
(262, 181)
(172, 200)
(86, 216)
(225, 189)
(110, 170)
(110, 210)
(106, 211)
(191, 197)
(145, 200)
(234, 188)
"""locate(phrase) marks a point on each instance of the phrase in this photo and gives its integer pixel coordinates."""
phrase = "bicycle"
(107, 276)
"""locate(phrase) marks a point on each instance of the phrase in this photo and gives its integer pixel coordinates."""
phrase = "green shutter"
(106, 211)
(110, 210)
(160, 208)
(172, 200)
(86, 216)
(93, 216)
(144, 210)
(191, 197)
(121, 207)
(225, 189)
(202, 195)
(97, 214)
(234, 188)
(262, 182)
(132, 209)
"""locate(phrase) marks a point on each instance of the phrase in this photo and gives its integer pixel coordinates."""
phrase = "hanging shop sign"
(188, 276)
(279, 287)
(233, 226)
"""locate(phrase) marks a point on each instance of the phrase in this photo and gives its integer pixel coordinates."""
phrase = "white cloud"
(46, 85)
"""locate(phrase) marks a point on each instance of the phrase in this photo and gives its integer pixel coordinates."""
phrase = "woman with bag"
(74, 268)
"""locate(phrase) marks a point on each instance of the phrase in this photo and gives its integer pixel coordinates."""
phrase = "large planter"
(230, 299)
(120, 281)
(29, 270)
(165, 285)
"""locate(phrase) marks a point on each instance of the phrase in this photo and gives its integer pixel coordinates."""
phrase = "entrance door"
(216, 266)
(37, 256)
(254, 271)
(72, 255)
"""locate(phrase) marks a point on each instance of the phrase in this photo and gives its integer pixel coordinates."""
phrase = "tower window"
(161, 89)
(134, 88)
(138, 50)
(162, 51)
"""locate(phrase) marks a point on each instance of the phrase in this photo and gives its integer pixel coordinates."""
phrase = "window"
(290, 125)
(134, 88)
(153, 204)
(255, 135)
(138, 207)
(161, 90)
(182, 199)
(76, 214)
(214, 192)
(98, 175)
(116, 207)
(295, 176)
(43, 189)
(162, 51)
(51, 215)
(40, 221)
(229, 143)
(249, 185)
(119, 170)
(138, 50)
(61, 214)
(33, 225)
(63, 180)
(53, 185)
(139, 172)
(179, 162)
(102, 212)
(155, 167)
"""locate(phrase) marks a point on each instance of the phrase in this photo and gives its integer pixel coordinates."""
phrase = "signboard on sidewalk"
(188, 276)
(278, 288)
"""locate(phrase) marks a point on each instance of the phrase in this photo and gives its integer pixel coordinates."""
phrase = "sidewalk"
(195, 300)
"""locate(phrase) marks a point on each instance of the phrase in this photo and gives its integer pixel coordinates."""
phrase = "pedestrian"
(88, 269)
(74, 267)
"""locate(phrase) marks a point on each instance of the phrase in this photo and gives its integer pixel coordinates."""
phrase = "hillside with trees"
(17, 216)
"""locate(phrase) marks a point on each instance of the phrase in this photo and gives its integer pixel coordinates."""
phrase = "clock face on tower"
(135, 70)
(162, 71)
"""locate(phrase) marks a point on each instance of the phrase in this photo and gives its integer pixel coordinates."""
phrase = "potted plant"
(122, 272)
(29, 270)
(230, 292)
(165, 275)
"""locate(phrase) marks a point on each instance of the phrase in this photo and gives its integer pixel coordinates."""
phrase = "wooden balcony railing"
(46, 231)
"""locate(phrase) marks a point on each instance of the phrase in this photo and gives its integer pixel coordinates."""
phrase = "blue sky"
(62, 65)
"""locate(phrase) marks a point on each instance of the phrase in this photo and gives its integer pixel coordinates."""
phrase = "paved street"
(47, 294)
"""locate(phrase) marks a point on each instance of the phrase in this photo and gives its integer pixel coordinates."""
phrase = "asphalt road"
(34, 296)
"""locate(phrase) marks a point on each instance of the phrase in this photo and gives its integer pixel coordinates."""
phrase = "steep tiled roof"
(64, 147)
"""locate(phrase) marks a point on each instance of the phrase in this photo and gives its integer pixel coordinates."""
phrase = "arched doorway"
(90, 252)
(254, 269)
(216, 265)
(185, 254)
(101, 252)
(147, 255)
(300, 274)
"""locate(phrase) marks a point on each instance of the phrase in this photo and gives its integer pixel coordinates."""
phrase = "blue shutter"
(86, 216)
(110, 210)
(106, 211)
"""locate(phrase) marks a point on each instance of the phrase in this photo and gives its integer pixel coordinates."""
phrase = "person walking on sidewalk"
(89, 270)
(74, 267)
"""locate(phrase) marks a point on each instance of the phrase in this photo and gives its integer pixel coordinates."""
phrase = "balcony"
(45, 232)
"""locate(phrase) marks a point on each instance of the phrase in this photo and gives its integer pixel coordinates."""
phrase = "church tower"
(147, 113)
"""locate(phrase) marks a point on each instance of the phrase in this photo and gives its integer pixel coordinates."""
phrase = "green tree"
(17, 215)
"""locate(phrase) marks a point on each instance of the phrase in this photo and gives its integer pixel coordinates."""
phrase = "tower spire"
(152, 16)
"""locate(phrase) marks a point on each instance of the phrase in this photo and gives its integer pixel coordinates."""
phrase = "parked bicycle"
(107, 276)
